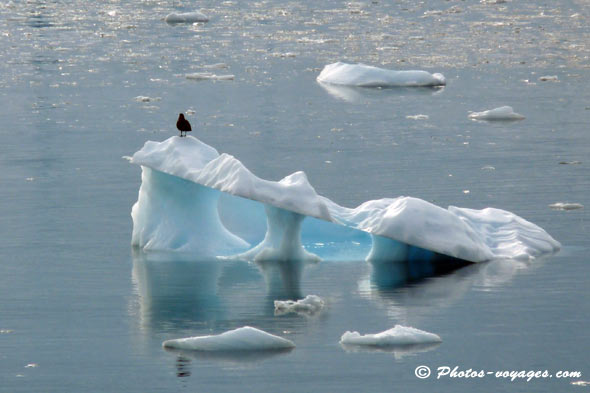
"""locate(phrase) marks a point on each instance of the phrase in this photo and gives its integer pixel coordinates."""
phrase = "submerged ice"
(179, 203)
(369, 76)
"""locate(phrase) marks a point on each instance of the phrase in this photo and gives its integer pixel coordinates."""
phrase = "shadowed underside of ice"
(186, 17)
(503, 113)
(398, 335)
(179, 203)
(368, 76)
(243, 339)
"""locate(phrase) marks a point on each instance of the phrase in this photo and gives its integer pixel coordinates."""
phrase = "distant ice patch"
(549, 78)
(186, 17)
(566, 206)
(201, 76)
(310, 305)
(368, 76)
(417, 117)
(398, 335)
(242, 339)
(503, 113)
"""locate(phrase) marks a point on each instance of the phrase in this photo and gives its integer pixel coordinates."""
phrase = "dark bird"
(183, 125)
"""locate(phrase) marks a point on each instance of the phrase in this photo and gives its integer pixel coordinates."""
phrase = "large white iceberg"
(369, 76)
(179, 202)
(242, 339)
(398, 335)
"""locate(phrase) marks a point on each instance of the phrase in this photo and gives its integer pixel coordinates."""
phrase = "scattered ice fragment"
(190, 112)
(5, 331)
(566, 206)
(398, 335)
(466, 191)
(417, 117)
(242, 339)
(368, 76)
(581, 383)
(30, 179)
(147, 99)
(199, 76)
(186, 17)
(216, 66)
(502, 113)
(570, 162)
(549, 78)
(488, 168)
(31, 365)
(310, 305)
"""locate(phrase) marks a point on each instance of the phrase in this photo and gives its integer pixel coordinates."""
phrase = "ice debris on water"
(417, 117)
(201, 76)
(310, 305)
(186, 17)
(398, 335)
(503, 113)
(549, 78)
(368, 76)
(242, 339)
(147, 99)
(566, 206)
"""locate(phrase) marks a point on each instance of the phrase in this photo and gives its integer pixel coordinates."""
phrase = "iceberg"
(503, 113)
(398, 335)
(362, 75)
(179, 203)
(310, 305)
(242, 339)
(186, 17)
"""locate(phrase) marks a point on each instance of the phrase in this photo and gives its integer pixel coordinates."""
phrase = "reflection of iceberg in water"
(234, 358)
(356, 94)
(398, 352)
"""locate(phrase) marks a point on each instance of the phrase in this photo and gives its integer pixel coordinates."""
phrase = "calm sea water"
(79, 311)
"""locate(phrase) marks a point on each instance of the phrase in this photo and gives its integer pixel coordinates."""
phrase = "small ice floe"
(308, 306)
(362, 75)
(398, 335)
(147, 99)
(215, 66)
(581, 383)
(417, 117)
(201, 76)
(570, 162)
(566, 206)
(242, 339)
(5, 331)
(190, 112)
(32, 365)
(549, 78)
(503, 113)
(488, 168)
(186, 17)
(284, 54)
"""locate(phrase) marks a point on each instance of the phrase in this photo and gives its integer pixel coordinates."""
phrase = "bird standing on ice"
(183, 125)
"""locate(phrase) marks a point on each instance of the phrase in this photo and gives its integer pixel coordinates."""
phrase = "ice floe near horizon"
(566, 206)
(245, 338)
(398, 335)
(186, 17)
(174, 212)
(309, 305)
(201, 76)
(362, 75)
(503, 113)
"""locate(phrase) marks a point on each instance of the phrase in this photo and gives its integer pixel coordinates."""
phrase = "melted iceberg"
(362, 75)
(242, 339)
(398, 335)
(179, 203)
(503, 113)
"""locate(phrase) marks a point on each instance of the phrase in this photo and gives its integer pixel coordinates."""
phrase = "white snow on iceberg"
(310, 305)
(362, 75)
(503, 113)
(242, 339)
(186, 17)
(178, 202)
(398, 335)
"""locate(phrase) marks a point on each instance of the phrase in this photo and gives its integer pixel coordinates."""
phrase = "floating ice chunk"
(177, 209)
(502, 113)
(570, 162)
(368, 76)
(398, 335)
(566, 206)
(147, 99)
(417, 117)
(186, 17)
(216, 66)
(549, 78)
(310, 305)
(201, 76)
(242, 339)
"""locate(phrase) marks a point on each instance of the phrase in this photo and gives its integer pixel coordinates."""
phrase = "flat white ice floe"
(201, 76)
(310, 305)
(368, 76)
(242, 339)
(398, 335)
(566, 206)
(175, 212)
(503, 113)
(186, 17)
